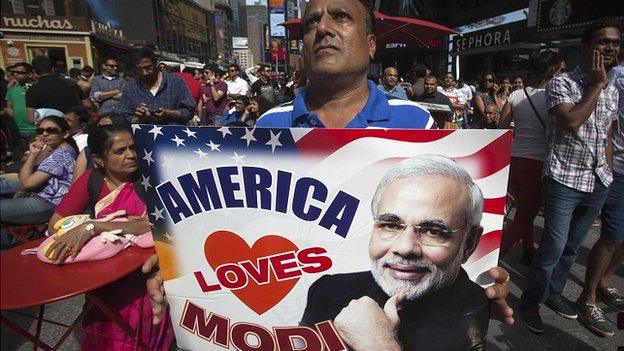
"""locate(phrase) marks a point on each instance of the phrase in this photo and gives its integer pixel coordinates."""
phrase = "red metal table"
(28, 282)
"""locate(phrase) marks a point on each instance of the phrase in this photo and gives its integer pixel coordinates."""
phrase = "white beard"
(436, 278)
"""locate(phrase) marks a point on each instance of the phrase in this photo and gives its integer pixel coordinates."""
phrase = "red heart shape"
(222, 247)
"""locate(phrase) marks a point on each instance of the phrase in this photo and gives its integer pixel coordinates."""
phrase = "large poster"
(271, 239)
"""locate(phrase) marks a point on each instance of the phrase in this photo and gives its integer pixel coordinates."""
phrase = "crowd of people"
(64, 135)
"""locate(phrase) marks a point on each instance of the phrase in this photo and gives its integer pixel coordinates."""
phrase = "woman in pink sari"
(104, 190)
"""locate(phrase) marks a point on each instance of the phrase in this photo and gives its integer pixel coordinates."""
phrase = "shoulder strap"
(539, 117)
(94, 186)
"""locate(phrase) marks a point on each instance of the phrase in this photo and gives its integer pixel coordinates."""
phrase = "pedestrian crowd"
(60, 131)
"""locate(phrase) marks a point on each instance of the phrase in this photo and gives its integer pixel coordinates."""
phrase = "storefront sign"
(489, 38)
(259, 230)
(554, 15)
(45, 23)
(107, 31)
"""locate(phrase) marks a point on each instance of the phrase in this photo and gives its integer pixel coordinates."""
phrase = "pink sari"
(127, 296)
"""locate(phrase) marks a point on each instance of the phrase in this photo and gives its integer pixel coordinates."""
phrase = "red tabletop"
(26, 281)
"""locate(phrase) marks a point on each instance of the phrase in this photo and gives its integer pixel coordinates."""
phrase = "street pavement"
(561, 334)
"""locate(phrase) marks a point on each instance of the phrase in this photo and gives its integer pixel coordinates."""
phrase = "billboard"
(276, 29)
(265, 235)
(122, 15)
(239, 43)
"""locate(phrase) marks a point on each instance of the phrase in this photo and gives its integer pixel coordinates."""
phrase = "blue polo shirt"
(395, 93)
(378, 112)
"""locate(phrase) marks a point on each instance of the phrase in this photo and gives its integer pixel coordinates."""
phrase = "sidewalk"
(561, 334)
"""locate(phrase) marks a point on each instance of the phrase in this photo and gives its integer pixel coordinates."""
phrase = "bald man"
(390, 86)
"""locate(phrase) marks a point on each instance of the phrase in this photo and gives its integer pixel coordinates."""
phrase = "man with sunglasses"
(264, 87)
(22, 74)
(107, 87)
(237, 86)
(155, 97)
(426, 222)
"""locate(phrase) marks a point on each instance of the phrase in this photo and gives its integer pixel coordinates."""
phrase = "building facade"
(256, 20)
(57, 29)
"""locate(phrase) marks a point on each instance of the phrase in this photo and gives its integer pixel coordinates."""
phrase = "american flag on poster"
(224, 201)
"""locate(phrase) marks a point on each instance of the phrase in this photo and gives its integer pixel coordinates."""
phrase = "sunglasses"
(17, 72)
(113, 66)
(49, 130)
(488, 80)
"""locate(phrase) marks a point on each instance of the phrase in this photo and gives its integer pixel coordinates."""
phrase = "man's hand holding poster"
(323, 239)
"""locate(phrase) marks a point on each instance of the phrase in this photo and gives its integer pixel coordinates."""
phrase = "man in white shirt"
(237, 86)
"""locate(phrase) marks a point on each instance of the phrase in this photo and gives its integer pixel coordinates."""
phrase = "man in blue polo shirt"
(336, 54)
(338, 42)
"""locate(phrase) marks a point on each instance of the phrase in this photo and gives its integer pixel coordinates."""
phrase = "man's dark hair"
(605, 22)
(82, 113)
(87, 69)
(541, 63)
(236, 66)
(42, 65)
(27, 66)
(430, 76)
(75, 73)
(106, 58)
(244, 99)
(263, 65)
(139, 53)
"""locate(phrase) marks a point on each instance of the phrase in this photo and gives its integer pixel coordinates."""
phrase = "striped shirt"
(578, 159)
(378, 112)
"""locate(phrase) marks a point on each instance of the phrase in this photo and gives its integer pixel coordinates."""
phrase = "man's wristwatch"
(90, 227)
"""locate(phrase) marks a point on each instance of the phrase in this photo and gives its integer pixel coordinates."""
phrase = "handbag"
(539, 117)
(100, 247)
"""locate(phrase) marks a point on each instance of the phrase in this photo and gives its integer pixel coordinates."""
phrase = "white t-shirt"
(81, 140)
(238, 86)
(529, 135)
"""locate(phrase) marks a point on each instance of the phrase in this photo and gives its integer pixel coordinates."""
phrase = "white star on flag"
(213, 146)
(190, 133)
(145, 182)
(249, 135)
(156, 130)
(274, 142)
(237, 158)
(158, 213)
(201, 153)
(178, 141)
(224, 131)
(168, 236)
(135, 127)
(148, 157)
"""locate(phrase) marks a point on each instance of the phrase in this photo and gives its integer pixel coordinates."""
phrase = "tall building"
(182, 30)
(256, 19)
(244, 57)
(236, 19)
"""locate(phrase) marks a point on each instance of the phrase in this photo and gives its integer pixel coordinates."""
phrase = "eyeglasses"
(428, 234)
(488, 80)
(114, 66)
(17, 72)
(148, 69)
(231, 70)
(49, 130)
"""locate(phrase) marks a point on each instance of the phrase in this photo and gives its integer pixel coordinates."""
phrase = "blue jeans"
(613, 210)
(27, 210)
(568, 216)
(9, 186)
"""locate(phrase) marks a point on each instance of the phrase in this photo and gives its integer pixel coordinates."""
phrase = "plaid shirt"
(173, 94)
(576, 159)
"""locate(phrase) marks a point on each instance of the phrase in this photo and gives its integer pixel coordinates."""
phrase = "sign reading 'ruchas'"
(48, 23)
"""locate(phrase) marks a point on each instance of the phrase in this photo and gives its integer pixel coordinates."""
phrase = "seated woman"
(45, 176)
(84, 161)
(107, 188)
